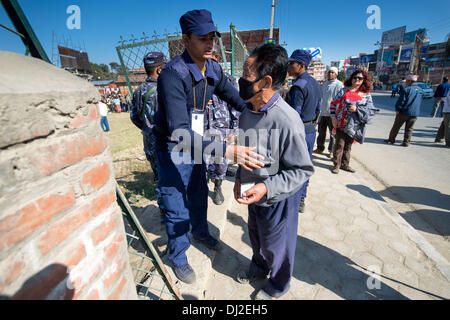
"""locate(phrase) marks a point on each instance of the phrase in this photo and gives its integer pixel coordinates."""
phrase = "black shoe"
(301, 209)
(404, 144)
(318, 151)
(438, 140)
(389, 141)
(218, 198)
(185, 273)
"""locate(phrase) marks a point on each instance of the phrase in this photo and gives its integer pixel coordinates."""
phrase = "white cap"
(334, 69)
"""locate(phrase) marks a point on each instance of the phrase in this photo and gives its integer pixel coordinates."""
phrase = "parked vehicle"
(427, 91)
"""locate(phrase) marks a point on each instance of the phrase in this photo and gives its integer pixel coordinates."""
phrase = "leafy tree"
(101, 72)
(341, 76)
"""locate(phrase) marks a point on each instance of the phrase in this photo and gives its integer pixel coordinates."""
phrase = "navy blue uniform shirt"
(176, 100)
(308, 104)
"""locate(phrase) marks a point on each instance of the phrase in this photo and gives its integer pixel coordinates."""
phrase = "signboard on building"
(74, 59)
(394, 36)
(410, 37)
(424, 50)
(367, 58)
(406, 53)
(388, 57)
(354, 61)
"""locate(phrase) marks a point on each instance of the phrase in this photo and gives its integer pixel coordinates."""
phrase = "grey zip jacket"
(278, 134)
(329, 92)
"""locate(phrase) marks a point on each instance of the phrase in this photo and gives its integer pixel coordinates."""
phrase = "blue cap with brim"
(154, 57)
(198, 22)
(301, 56)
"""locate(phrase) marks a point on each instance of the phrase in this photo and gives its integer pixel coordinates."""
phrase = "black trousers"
(342, 150)
(324, 124)
(400, 119)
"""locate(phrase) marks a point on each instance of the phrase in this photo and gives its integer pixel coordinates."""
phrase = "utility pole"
(271, 19)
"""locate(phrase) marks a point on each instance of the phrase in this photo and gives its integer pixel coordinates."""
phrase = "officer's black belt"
(309, 122)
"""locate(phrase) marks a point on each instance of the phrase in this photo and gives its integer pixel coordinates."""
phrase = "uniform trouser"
(324, 124)
(273, 236)
(400, 119)
(342, 149)
(438, 102)
(310, 139)
(444, 129)
(184, 194)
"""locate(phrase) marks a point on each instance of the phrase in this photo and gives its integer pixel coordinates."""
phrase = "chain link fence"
(239, 53)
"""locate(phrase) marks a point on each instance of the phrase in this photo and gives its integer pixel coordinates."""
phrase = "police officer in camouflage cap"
(221, 124)
(144, 106)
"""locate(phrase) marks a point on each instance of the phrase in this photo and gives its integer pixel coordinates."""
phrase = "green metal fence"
(239, 52)
(150, 275)
(131, 52)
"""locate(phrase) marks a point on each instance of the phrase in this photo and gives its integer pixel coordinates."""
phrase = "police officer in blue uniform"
(305, 96)
(144, 106)
(221, 124)
(185, 86)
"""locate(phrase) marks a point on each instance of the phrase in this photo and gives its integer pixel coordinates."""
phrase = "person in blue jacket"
(439, 96)
(305, 96)
(407, 110)
(185, 86)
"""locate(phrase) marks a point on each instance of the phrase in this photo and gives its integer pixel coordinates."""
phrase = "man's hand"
(252, 195)
(245, 157)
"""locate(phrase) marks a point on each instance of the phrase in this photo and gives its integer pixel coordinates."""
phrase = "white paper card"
(197, 123)
(245, 187)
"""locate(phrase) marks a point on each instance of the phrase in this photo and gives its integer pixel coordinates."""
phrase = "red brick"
(102, 202)
(117, 267)
(15, 268)
(34, 215)
(96, 178)
(93, 295)
(116, 294)
(63, 154)
(62, 229)
(102, 232)
(40, 285)
(81, 120)
(76, 254)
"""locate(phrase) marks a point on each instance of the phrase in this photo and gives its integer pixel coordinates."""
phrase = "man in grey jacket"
(275, 129)
(329, 91)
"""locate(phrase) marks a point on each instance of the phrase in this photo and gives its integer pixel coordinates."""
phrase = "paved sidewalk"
(345, 233)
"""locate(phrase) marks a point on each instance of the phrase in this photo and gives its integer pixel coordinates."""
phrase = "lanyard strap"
(204, 95)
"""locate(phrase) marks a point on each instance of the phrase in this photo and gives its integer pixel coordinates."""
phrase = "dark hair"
(366, 86)
(150, 68)
(445, 79)
(272, 60)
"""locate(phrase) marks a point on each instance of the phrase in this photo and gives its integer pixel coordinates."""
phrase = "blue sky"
(338, 27)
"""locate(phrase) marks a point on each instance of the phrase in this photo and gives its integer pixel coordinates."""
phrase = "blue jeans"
(104, 123)
(184, 194)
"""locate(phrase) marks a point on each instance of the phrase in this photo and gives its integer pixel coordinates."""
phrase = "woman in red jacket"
(355, 93)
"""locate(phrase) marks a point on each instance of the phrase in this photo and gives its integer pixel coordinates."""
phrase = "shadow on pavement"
(316, 264)
(438, 220)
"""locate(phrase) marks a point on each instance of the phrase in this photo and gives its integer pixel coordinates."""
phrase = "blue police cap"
(154, 57)
(198, 22)
(301, 56)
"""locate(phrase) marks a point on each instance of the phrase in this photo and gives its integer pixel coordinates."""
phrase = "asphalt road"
(414, 180)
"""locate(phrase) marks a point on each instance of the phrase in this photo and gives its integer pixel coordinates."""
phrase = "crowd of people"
(196, 120)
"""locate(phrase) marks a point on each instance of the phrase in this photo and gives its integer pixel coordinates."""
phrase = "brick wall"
(61, 230)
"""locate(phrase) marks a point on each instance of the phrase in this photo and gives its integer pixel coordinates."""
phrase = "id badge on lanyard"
(197, 122)
(198, 115)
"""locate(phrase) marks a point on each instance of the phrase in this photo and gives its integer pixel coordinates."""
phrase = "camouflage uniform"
(146, 123)
(221, 120)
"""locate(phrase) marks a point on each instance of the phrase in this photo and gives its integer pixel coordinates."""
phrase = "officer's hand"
(245, 157)
(237, 189)
(254, 194)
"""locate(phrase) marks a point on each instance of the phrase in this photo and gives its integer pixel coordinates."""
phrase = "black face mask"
(246, 90)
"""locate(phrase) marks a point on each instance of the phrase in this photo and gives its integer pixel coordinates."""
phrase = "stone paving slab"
(348, 247)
